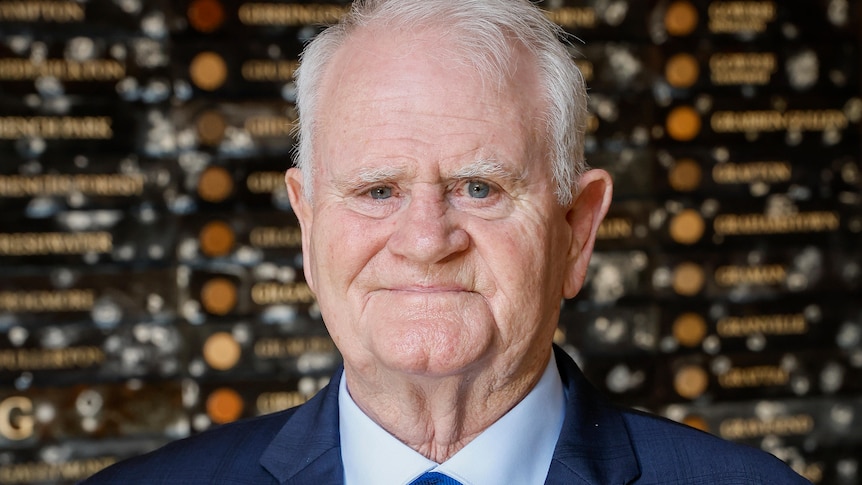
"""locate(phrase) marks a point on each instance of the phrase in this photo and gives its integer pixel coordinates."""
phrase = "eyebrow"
(487, 168)
(480, 169)
(370, 175)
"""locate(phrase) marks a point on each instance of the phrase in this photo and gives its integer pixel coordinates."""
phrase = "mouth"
(428, 289)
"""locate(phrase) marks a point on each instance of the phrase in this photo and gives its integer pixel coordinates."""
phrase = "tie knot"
(435, 478)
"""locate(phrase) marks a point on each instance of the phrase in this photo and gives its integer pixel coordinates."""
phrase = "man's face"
(433, 239)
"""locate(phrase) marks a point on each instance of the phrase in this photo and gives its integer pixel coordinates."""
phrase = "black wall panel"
(151, 283)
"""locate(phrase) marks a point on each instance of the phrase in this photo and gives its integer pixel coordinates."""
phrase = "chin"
(431, 352)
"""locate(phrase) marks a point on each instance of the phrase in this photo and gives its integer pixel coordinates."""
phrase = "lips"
(407, 293)
(429, 289)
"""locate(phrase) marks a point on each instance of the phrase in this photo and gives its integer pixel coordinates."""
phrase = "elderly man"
(445, 212)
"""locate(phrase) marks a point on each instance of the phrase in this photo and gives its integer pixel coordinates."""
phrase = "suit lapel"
(594, 445)
(308, 447)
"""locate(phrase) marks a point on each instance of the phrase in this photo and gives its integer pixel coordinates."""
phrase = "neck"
(438, 416)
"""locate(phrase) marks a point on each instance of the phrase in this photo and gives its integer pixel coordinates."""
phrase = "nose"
(427, 231)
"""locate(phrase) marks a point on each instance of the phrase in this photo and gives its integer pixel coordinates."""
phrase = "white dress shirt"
(517, 448)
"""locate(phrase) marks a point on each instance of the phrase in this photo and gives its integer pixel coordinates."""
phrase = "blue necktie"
(434, 478)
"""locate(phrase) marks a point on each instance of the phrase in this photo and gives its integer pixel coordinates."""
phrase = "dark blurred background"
(150, 270)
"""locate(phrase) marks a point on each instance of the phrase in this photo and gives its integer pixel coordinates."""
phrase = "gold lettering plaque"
(772, 121)
(276, 237)
(270, 402)
(50, 359)
(753, 377)
(273, 348)
(783, 324)
(105, 185)
(265, 182)
(747, 428)
(266, 70)
(39, 472)
(289, 14)
(16, 418)
(55, 243)
(56, 127)
(740, 16)
(768, 274)
(615, 228)
(46, 11)
(62, 69)
(573, 17)
(269, 126)
(72, 300)
(753, 172)
(276, 293)
(751, 224)
(754, 68)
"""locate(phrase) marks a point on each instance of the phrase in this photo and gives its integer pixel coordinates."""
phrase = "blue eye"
(380, 193)
(478, 190)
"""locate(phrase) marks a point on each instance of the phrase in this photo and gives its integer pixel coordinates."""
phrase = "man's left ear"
(591, 203)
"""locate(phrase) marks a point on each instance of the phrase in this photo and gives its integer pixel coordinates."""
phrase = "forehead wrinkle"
(480, 109)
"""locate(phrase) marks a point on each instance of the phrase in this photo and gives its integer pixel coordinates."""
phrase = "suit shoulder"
(230, 450)
(671, 452)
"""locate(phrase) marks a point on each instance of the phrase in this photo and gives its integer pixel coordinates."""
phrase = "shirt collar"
(371, 455)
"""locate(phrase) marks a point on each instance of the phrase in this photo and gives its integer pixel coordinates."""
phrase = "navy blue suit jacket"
(599, 444)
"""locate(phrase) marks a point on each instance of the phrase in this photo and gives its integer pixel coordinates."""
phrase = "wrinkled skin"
(433, 239)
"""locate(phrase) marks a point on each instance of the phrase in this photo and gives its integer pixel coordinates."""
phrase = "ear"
(584, 217)
(301, 206)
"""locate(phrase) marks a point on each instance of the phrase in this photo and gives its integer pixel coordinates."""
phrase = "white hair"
(483, 32)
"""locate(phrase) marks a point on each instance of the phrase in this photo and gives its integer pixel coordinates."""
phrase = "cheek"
(341, 247)
(524, 267)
